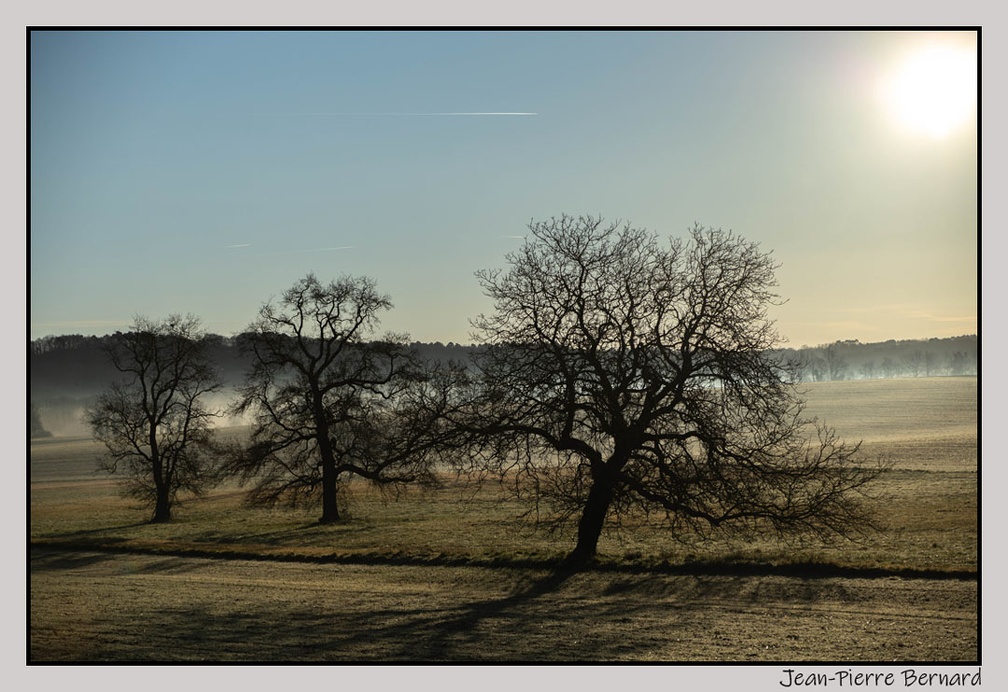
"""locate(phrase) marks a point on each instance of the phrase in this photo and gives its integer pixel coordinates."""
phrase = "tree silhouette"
(619, 374)
(323, 396)
(153, 422)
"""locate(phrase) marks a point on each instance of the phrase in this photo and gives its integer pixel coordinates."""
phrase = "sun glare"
(933, 91)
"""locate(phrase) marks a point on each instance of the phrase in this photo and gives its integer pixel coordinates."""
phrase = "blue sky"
(206, 172)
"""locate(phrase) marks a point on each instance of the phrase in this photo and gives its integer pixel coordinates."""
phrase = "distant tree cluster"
(852, 360)
(617, 374)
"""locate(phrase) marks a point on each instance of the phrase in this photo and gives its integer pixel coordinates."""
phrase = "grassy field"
(450, 574)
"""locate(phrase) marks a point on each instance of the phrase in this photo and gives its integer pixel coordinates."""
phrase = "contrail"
(446, 113)
(483, 113)
(304, 252)
(271, 253)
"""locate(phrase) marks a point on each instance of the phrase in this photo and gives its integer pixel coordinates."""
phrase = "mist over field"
(63, 415)
(68, 372)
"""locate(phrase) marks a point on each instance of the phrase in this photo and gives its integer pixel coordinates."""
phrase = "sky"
(205, 172)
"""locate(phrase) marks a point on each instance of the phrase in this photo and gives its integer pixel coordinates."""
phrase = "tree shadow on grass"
(461, 629)
(523, 626)
(43, 560)
(48, 559)
(272, 537)
(356, 613)
(106, 534)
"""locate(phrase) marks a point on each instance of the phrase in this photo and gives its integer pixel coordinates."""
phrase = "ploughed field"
(452, 575)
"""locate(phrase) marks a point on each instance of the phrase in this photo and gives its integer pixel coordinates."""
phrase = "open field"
(451, 575)
(146, 607)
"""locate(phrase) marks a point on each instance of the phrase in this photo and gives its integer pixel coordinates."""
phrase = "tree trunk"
(162, 505)
(591, 522)
(330, 511)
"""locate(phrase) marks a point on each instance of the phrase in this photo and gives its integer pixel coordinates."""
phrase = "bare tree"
(35, 427)
(915, 362)
(889, 367)
(836, 365)
(323, 395)
(619, 374)
(153, 422)
(960, 363)
(930, 364)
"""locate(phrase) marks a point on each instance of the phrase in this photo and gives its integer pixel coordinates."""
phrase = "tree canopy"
(153, 420)
(620, 373)
(322, 391)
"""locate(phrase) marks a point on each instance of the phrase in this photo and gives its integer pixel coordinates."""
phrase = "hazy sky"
(206, 172)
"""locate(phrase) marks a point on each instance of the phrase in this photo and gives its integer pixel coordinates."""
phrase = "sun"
(932, 91)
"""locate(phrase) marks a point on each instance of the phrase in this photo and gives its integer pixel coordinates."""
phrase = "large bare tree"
(323, 392)
(154, 422)
(618, 372)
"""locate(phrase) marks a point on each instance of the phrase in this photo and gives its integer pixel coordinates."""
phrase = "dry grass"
(933, 526)
(928, 501)
(98, 607)
(451, 574)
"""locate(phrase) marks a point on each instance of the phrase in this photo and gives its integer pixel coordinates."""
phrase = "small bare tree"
(617, 373)
(836, 365)
(153, 422)
(35, 427)
(323, 395)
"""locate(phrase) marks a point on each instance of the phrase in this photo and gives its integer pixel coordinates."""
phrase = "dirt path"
(110, 607)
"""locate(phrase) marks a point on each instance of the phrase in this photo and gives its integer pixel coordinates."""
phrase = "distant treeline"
(66, 372)
(853, 360)
(78, 366)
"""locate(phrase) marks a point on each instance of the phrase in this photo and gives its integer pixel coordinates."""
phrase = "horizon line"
(412, 339)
